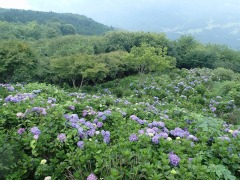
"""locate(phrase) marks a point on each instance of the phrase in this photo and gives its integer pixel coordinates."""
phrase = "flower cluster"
(87, 129)
(19, 97)
(8, 87)
(39, 110)
(137, 119)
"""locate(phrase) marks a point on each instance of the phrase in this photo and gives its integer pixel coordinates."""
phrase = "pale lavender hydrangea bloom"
(35, 131)
(92, 177)
(80, 144)
(235, 133)
(225, 138)
(178, 132)
(71, 107)
(191, 137)
(62, 137)
(155, 139)
(164, 135)
(39, 110)
(133, 137)
(84, 113)
(99, 124)
(106, 136)
(134, 117)
(21, 131)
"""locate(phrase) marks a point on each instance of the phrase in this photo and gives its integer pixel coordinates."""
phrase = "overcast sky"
(136, 14)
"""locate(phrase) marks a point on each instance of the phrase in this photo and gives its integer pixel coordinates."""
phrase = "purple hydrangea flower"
(82, 121)
(73, 118)
(235, 133)
(150, 132)
(100, 114)
(155, 129)
(174, 159)
(178, 132)
(92, 177)
(35, 131)
(91, 132)
(71, 107)
(21, 131)
(155, 139)
(164, 135)
(106, 136)
(213, 109)
(165, 130)
(10, 88)
(95, 121)
(134, 117)
(150, 125)
(191, 137)
(99, 124)
(62, 137)
(133, 137)
(225, 138)
(190, 159)
(89, 124)
(104, 117)
(84, 113)
(39, 110)
(141, 131)
(80, 144)
(108, 112)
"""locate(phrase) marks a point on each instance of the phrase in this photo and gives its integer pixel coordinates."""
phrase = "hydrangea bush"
(168, 126)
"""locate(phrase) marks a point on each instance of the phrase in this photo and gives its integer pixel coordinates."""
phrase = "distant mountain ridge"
(82, 24)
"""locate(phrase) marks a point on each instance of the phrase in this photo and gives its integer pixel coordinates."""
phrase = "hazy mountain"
(80, 23)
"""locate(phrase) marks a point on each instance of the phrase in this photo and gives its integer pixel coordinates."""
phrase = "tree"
(147, 58)
(17, 61)
(183, 46)
(79, 68)
(199, 57)
(68, 29)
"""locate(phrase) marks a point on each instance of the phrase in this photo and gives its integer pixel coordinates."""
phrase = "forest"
(81, 100)
(72, 49)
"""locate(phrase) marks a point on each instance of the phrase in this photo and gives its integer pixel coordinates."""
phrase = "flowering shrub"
(173, 126)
